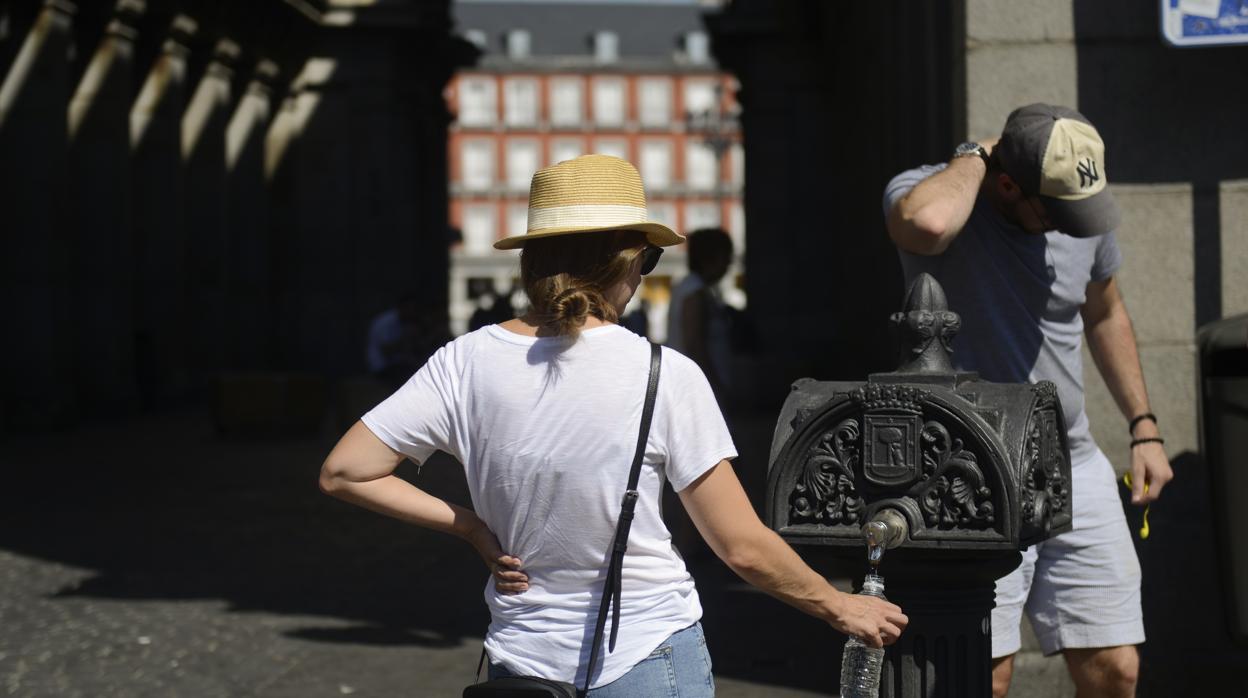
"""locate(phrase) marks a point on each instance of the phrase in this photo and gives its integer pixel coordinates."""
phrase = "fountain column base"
(946, 651)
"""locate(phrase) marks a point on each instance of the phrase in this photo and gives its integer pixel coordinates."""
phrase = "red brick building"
(558, 80)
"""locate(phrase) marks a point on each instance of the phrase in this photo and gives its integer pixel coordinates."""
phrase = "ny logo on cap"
(1087, 173)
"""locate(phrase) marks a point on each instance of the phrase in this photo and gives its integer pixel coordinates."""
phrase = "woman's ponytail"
(566, 278)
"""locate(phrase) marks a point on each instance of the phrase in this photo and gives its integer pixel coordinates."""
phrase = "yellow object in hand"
(1126, 480)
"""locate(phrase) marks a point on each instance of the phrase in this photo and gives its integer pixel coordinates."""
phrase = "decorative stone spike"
(925, 329)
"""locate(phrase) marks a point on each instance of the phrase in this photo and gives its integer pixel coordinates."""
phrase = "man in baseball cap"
(1056, 155)
(1021, 232)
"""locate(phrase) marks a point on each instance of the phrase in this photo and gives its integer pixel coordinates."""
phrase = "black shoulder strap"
(611, 591)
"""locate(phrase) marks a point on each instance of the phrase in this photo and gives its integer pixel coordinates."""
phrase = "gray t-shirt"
(1019, 296)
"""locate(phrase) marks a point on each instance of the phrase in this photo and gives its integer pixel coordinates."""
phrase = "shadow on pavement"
(162, 508)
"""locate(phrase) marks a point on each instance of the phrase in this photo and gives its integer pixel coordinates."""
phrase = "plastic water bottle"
(860, 664)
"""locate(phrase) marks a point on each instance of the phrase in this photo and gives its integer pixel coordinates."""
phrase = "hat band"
(585, 215)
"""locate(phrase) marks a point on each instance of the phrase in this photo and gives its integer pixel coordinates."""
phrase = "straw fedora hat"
(589, 194)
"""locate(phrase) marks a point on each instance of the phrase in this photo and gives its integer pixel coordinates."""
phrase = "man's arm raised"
(928, 218)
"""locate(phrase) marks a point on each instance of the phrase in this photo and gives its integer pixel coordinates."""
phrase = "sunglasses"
(650, 259)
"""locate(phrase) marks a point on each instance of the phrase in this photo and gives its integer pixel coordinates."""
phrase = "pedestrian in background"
(400, 339)
(698, 322)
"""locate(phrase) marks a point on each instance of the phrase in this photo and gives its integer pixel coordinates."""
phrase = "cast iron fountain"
(952, 474)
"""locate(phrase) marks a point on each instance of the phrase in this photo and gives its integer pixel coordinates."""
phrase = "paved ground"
(151, 557)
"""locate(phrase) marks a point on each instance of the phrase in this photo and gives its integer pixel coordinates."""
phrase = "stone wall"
(836, 98)
(1172, 120)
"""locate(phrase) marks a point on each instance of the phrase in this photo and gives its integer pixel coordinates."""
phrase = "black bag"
(521, 687)
(537, 687)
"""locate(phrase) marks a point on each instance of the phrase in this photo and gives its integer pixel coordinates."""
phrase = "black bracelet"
(1139, 418)
(1149, 440)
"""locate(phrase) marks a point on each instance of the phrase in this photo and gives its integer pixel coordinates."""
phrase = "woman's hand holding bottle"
(875, 622)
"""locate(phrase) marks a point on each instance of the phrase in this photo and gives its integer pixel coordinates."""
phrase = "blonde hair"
(567, 277)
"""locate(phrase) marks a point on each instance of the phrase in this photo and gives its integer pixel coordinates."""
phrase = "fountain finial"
(924, 330)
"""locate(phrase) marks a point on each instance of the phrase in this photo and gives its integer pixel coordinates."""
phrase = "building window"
(520, 101)
(606, 47)
(655, 101)
(616, 147)
(662, 212)
(700, 214)
(518, 43)
(479, 228)
(699, 166)
(656, 164)
(522, 162)
(699, 96)
(697, 48)
(478, 101)
(609, 102)
(517, 219)
(478, 163)
(736, 159)
(567, 102)
(565, 149)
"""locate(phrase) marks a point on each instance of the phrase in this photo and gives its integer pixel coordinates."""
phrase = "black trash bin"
(1224, 443)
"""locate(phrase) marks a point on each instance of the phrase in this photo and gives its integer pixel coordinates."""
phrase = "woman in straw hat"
(542, 411)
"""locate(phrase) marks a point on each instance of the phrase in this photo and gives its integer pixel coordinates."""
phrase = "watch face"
(967, 149)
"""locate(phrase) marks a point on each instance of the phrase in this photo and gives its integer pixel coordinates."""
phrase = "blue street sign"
(1204, 22)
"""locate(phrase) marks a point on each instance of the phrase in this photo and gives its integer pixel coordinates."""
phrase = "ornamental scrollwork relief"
(825, 492)
(948, 484)
(1045, 490)
(953, 493)
(949, 330)
(918, 328)
(1046, 394)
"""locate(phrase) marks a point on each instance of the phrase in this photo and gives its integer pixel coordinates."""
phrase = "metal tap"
(887, 529)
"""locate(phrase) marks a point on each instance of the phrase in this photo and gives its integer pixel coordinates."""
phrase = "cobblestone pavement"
(152, 557)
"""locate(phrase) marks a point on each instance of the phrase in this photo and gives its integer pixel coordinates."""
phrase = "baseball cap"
(1055, 153)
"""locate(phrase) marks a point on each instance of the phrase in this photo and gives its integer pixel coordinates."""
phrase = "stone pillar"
(836, 99)
(35, 358)
(97, 217)
(358, 165)
(159, 237)
(286, 145)
(438, 58)
(249, 310)
(203, 154)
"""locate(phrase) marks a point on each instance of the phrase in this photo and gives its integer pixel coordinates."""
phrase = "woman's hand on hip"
(504, 568)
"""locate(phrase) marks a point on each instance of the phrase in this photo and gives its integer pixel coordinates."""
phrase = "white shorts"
(1082, 588)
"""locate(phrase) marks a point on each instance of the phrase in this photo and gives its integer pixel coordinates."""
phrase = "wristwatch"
(971, 149)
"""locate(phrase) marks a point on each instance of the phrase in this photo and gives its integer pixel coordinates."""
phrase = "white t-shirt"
(546, 431)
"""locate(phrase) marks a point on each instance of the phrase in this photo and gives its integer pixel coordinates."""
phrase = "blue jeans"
(680, 667)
